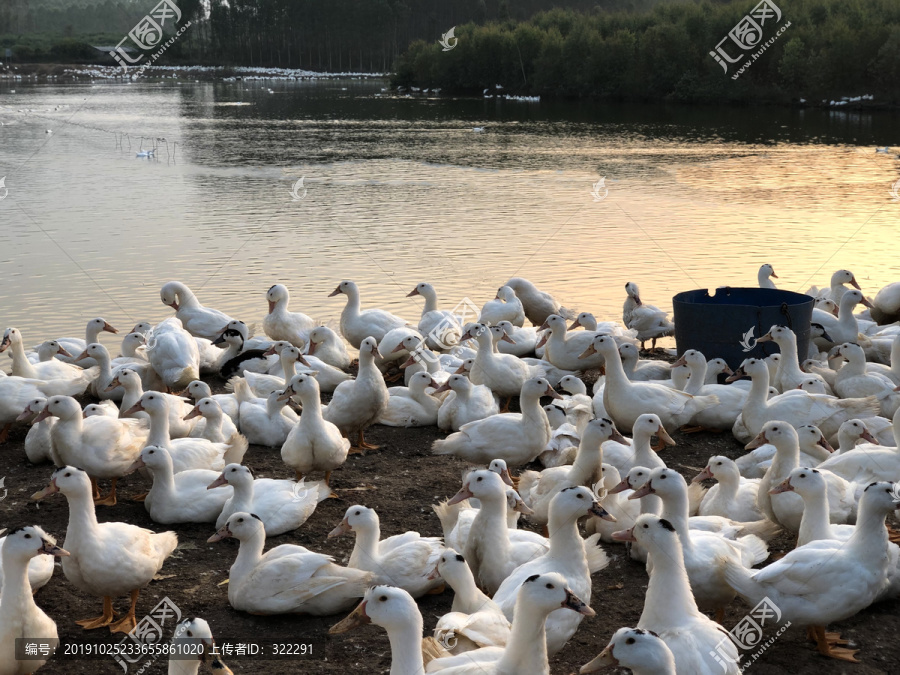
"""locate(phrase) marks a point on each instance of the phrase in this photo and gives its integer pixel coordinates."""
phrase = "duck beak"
(137, 407)
(621, 487)
(336, 291)
(218, 482)
(195, 412)
(376, 353)
(443, 387)
(461, 370)
(46, 492)
(82, 355)
(343, 528)
(435, 573)
(773, 275)
(174, 305)
(643, 491)
(52, 549)
(434, 385)
(757, 442)
(765, 338)
(219, 340)
(784, 486)
(706, 474)
(855, 284)
(868, 303)
(551, 392)
(604, 660)
(867, 435)
(588, 352)
(357, 618)
(619, 438)
(311, 348)
(600, 512)
(823, 442)
(113, 384)
(508, 339)
(270, 352)
(522, 508)
(575, 603)
(575, 324)
(286, 394)
(414, 292)
(25, 414)
(543, 341)
(271, 306)
(44, 414)
(464, 493)
(624, 535)
(135, 465)
(64, 352)
(109, 329)
(664, 436)
(679, 362)
(4, 344)
(223, 533)
(398, 348)
(506, 477)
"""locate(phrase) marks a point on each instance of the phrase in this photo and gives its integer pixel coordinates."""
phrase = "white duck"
(104, 446)
(38, 445)
(195, 636)
(622, 455)
(647, 503)
(814, 449)
(867, 462)
(670, 610)
(797, 408)
(20, 617)
(516, 438)
(198, 390)
(763, 276)
(54, 370)
(703, 551)
(357, 325)
(503, 374)
(412, 406)
(538, 488)
(74, 346)
(134, 346)
(887, 304)
(787, 509)
(187, 453)
(845, 328)
(263, 384)
(358, 403)
(641, 651)
(828, 580)
(15, 394)
(130, 381)
(617, 504)
(282, 505)
(788, 374)
(280, 324)
(720, 417)
(625, 400)
(526, 651)
(314, 444)
(650, 322)
(474, 620)
(214, 425)
(40, 569)
(179, 497)
(106, 559)
(265, 421)
(287, 579)
(505, 306)
(853, 381)
(441, 328)
(564, 349)
(733, 496)
(642, 370)
(537, 304)
(173, 353)
(568, 555)
(524, 340)
(404, 560)
(836, 290)
(327, 345)
(196, 319)
(489, 549)
(465, 403)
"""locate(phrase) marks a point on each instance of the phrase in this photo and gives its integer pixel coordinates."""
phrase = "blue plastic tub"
(727, 324)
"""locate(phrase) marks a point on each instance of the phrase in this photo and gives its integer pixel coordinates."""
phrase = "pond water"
(400, 190)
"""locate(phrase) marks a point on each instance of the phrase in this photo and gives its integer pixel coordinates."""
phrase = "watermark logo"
(148, 33)
(3, 487)
(148, 631)
(748, 342)
(747, 34)
(447, 639)
(295, 191)
(895, 191)
(748, 634)
(448, 40)
(599, 189)
(3, 189)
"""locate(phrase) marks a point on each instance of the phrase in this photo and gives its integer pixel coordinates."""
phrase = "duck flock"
(519, 596)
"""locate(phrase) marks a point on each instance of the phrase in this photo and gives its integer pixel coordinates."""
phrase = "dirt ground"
(401, 481)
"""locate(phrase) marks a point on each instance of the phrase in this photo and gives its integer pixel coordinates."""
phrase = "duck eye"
(646, 526)
(240, 520)
(630, 641)
(580, 496)
(68, 474)
(357, 513)
(479, 480)
(551, 586)
(383, 598)
(802, 475)
(663, 476)
(28, 536)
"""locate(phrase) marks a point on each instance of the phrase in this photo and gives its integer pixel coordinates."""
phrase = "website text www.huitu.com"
(759, 652)
(759, 52)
